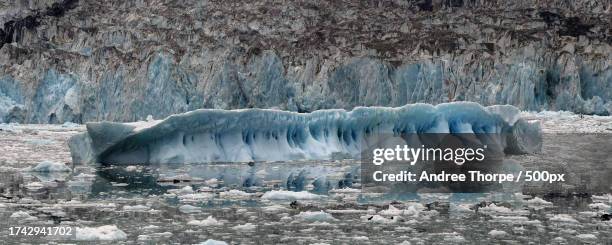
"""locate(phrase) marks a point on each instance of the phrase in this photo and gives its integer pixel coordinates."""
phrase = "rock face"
(123, 60)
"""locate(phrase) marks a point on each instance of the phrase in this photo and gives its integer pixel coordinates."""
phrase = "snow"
(210, 221)
(211, 135)
(105, 233)
(290, 195)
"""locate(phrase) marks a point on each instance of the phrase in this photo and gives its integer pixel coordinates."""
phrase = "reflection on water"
(232, 202)
(239, 202)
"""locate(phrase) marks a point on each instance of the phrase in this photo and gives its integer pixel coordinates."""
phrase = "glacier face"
(207, 135)
(122, 61)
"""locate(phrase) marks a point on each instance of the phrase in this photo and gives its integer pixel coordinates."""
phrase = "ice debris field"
(281, 202)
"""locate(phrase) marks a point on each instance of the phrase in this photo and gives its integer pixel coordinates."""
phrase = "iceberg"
(245, 135)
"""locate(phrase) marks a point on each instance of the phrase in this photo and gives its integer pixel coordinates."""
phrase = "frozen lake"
(281, 202)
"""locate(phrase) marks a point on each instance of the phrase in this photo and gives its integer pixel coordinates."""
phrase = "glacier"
(244, 135)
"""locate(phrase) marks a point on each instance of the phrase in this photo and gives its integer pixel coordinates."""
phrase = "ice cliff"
(212, 135)
(117, 60)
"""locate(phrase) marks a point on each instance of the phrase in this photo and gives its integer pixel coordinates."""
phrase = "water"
(150, 203)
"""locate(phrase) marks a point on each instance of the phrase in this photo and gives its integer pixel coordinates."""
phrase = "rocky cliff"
(123, 60)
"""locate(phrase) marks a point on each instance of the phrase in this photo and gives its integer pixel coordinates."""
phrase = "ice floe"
(102, 233)
(210, 221)
(290, 195)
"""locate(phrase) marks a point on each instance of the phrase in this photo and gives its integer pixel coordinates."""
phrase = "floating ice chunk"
(498, 233)
(210, 221)
(212, 182)
(150, 227)
(563, 218)
(360, 238)
(188, 209)
(599, 206)
(346, 211)
(559, 240)
(11, 127)
(136, 208)
(378, 219)
(248, 227)
(22, 216)
(195, 197)
(48, 166)
(70, 125)
(314, 216)
(345, 190)
(41, 141)
(586, 237)
(85, 176)
(207, 135)
(102, 233)
(492, 208)
(185, 190)
(461, 207)
(517, 220)
(538, 202)
(290, 195)
(235, 194)
(40, 185)
(589, 214)
(155, 235)
(392, 211)
(213, 242)
(274, 209)
(603, 198)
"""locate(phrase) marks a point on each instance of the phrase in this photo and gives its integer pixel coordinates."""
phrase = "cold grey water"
(286, 202)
